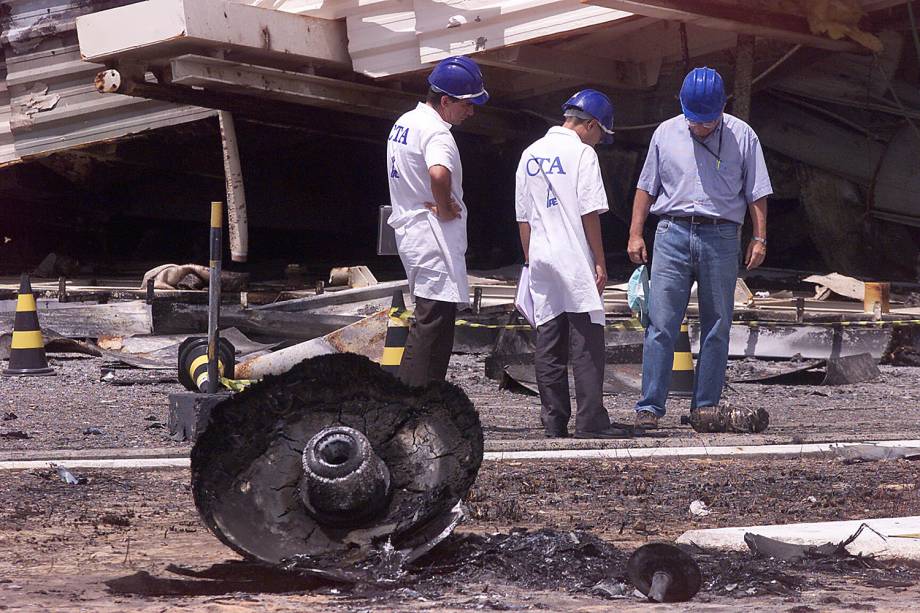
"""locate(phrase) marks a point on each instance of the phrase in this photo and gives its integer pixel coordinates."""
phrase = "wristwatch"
(760, 240)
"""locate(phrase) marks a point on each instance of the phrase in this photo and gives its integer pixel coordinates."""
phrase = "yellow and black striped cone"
(397, 333)
(27, 353)
(193, 362)
(682, 370)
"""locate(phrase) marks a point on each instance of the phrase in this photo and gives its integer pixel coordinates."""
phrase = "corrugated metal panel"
(53, 104)
(7, 150)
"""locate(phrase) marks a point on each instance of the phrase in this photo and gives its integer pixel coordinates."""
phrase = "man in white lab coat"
(559, 196)
(429, 216)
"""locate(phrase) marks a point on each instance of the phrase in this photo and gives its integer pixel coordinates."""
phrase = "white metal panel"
(382, 39)
(486, 25)
(394, 37)
(330, 9)
(156, 28)
(130, 27)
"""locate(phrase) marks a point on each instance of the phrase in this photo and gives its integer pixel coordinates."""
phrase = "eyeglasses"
(709, 125)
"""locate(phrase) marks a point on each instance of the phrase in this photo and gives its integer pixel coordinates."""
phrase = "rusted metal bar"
(214, 296)
(238, 219)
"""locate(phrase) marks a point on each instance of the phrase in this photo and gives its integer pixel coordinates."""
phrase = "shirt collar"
(427, 109)
(564, 131)
(712, 135)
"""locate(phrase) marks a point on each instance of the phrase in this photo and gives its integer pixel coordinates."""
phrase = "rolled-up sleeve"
(650, 178)
(591, 194)
(521, 196)
(756, 178)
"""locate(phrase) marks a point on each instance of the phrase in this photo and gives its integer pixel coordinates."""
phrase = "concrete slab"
(898, 536)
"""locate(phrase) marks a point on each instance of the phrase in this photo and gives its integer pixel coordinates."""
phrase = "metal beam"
(227, 85)
(735, 18)
(569, 64)
(529, 85)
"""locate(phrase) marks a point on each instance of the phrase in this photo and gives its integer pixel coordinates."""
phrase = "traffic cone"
(193, 362)
(397, 333)
(27, 352)
(682, 370)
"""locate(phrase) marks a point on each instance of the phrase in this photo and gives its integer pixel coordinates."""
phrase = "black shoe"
(610, 432)
(560, 434)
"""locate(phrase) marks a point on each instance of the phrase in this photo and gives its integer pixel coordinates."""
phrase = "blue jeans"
(684, 253)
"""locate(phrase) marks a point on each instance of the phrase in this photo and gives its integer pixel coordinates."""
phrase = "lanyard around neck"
(716, 154)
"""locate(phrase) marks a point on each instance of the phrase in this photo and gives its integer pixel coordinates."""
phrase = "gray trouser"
(551, 359)
(430, 342)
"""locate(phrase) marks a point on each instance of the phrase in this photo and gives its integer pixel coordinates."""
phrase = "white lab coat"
(561, 263)
(432, 251)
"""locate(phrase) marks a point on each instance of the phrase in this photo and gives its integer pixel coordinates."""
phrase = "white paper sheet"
(523, 299)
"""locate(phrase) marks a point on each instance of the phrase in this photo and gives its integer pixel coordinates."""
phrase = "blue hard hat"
(459, 77)
(702, 96)
(598, 106)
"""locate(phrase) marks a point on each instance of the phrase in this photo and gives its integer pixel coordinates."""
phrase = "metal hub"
(344, 481)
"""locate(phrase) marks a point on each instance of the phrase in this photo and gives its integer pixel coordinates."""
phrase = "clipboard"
(523, 299)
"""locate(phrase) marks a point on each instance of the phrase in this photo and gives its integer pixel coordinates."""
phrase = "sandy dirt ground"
(540, 535)
(62, 543)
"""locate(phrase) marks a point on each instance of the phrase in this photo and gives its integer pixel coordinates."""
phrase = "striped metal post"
(397, 332)
(682, 369)
(214, 296)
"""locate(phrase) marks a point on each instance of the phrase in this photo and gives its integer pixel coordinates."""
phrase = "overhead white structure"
(154, 29)
(392, 37)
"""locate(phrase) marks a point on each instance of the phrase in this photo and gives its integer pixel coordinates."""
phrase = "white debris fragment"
(699, 508)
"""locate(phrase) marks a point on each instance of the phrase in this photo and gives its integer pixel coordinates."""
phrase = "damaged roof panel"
(47, 98)
(7, 148)
(392, 37)
(453, 28)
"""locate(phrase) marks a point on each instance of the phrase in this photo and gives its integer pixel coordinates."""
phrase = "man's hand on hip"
(636, 250)
(445, 212)
(600, 278)
(756, 252)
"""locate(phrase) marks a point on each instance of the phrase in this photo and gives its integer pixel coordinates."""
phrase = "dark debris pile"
(503, 571)
(543, 559)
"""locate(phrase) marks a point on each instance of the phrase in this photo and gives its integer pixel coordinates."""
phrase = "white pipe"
(365, 337)
(236, 195)
(623, 453)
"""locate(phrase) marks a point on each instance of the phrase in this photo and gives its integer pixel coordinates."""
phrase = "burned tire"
(252, 481)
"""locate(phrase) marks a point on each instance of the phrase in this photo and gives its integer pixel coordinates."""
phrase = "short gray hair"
(578, 114)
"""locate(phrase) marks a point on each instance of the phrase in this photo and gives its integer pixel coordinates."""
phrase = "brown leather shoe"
(646, 420)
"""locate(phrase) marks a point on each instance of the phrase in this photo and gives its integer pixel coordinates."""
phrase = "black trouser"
(554, 339)
(430, 342)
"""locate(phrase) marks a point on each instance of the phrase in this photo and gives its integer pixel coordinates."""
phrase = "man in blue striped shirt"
(704, 169)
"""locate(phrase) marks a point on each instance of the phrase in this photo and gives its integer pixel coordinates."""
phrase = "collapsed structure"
(313, 83)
